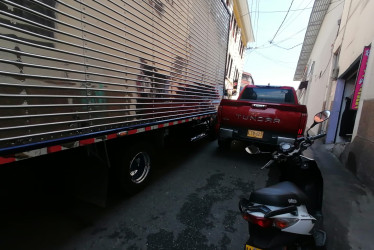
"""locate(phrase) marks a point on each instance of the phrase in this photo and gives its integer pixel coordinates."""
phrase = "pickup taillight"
(303, 120)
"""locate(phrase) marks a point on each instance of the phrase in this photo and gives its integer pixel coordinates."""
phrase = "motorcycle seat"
(280, 195)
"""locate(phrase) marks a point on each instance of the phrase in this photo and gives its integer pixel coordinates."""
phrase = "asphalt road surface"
(190, 203)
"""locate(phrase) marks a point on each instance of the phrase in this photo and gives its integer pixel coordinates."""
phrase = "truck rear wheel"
(134, 168)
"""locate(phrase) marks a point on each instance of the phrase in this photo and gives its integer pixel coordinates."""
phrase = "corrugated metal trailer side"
(75, 71)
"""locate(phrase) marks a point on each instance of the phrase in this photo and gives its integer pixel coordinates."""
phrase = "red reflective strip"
(171, 123)
(111, 136)
(180, 121)
(160, 125)
(9, 159)
(134, 131)
(86, 142)
(148, 128)
(53, 149)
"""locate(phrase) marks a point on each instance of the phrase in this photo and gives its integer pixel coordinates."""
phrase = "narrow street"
(191, 203)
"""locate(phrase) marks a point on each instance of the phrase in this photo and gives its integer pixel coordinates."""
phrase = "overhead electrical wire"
(258, 16)
(255, 6)
(276, 45)
(271, 41)
(279, 11)
(272, 59)
(294, 17)
(284, 25)
(335, 6)
(290, 37)
(291, 20)
(253, 18)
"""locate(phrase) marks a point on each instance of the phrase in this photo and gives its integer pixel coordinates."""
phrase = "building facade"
(240, 35)
(336, 72)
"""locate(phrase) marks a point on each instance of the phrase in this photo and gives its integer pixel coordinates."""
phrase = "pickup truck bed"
(261, 115)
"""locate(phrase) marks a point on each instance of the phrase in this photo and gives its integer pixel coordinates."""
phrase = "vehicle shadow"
(36, 208)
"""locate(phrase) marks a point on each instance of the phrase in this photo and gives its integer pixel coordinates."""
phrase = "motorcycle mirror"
(252, 150)
(319, 118)
(322, 116)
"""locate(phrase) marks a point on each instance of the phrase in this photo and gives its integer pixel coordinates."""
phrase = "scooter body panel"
(305, 222)
(272, 238)
(305, 174)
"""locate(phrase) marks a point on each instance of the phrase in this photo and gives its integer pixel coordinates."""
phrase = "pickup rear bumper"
(240, 135)
(225, 133)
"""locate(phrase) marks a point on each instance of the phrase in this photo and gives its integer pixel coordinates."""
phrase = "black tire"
(224, 144)
(134, 168)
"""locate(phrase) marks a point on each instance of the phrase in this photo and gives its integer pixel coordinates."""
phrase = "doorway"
(347, 115)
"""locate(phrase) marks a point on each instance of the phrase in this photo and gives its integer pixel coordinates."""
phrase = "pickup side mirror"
(319, 118)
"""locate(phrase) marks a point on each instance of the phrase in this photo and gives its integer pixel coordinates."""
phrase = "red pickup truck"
(262, 115)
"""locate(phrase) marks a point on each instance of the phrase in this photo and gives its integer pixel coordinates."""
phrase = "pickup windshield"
(272, 95)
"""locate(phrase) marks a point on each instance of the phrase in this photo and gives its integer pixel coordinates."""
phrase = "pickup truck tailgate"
(280, 118)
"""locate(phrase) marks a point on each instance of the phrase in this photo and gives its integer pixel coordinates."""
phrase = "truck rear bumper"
(225, 133)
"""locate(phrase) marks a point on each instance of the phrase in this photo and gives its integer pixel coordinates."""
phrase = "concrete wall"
(356, 31)
(245, 35)
(367, 89)
(358, 155)
(322, 56)
(238, 61)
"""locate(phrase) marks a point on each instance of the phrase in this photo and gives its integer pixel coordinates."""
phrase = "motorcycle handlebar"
(318, 136)
(305, 143)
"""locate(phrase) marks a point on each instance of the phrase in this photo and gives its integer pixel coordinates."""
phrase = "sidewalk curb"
(348, 206)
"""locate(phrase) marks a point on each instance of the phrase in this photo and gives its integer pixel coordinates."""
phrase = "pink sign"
(360, 78)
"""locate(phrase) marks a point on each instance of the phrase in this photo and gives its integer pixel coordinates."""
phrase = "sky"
(279, 35)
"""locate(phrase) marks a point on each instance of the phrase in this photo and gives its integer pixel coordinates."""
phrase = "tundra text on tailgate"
(261, 115)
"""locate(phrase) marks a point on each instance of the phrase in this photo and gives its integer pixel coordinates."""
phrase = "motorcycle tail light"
(260, 221)
(284, 223)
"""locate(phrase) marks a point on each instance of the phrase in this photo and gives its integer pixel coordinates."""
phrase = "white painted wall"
(237, 8)
(322, 56)
(356, 30)
(238, 61)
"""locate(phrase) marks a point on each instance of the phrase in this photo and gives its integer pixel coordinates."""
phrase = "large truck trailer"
(115, 78)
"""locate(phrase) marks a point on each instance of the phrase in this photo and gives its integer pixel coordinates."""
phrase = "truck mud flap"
(89, 178)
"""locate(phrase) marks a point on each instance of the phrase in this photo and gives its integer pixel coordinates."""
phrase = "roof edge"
(316, 18)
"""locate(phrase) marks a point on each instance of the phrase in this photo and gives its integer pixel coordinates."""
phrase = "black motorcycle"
(288, 215)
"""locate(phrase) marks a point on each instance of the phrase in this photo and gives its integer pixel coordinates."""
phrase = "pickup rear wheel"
(134, 168)
(224, 144)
